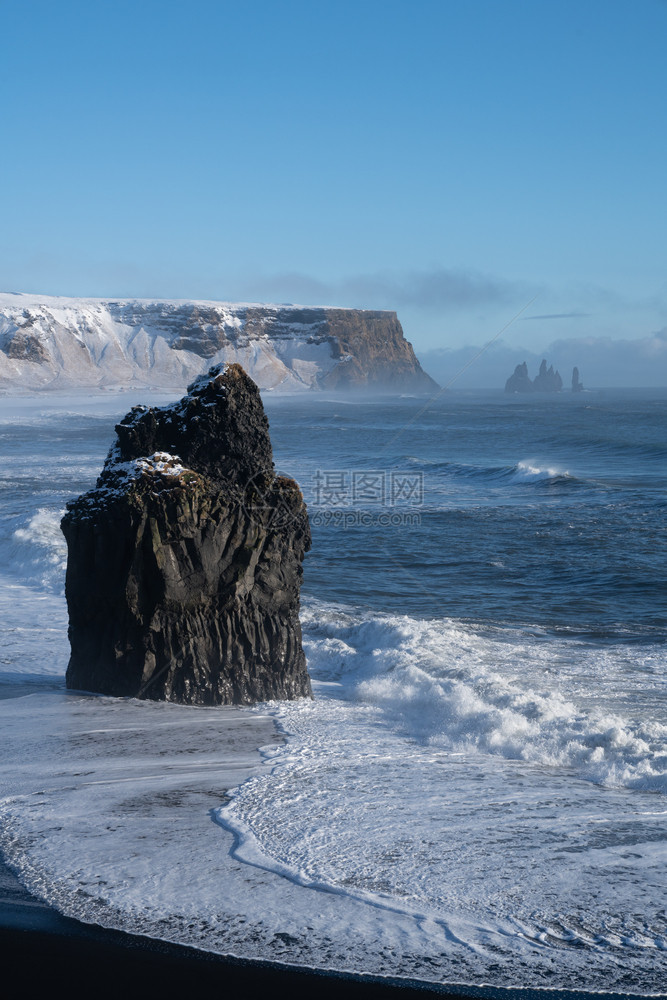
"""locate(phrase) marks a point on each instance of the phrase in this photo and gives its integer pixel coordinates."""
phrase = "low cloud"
(602, 362)
(443, 290)
(439, 288)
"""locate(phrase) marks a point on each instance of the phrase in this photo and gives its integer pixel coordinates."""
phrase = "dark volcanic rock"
(519, 381)
(24, 345)
(577, 386)
(547, 380)
(372, 351)
(184, 563)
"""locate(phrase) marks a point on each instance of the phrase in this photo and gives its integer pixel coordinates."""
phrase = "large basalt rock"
(184, 562)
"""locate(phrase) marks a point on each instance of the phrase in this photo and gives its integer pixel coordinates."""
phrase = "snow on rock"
(53, 343)
(184, 562)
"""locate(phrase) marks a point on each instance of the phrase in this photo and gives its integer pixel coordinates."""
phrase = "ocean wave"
(38, 551)
(437, 775)
(452, 686)
(527, 472)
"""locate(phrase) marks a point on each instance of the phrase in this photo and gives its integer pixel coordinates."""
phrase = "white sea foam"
(459, 803)
(363, 850)
(424, 814)
(436, 776)
(529, 469)
(40, 551)
(506, 694)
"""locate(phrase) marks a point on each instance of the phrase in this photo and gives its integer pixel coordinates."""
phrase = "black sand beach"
(42, 950)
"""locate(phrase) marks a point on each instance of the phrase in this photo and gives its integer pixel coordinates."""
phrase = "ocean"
(477, 792)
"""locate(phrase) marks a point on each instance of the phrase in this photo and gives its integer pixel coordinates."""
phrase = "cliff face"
(56, 343)
(370, 349)
(184, 562)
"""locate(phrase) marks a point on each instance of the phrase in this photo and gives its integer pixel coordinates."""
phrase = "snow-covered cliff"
(59, 343)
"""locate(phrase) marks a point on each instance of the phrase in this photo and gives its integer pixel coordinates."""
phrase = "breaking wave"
(527, 472)
(505, 693)
(39, 551)
(433, 777)
(433, 750)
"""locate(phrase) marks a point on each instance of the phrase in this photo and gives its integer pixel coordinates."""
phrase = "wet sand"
(43, 950)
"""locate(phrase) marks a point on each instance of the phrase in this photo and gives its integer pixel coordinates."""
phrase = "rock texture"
(577, 385)
(57, 343)
(546, 380)
(184, 562)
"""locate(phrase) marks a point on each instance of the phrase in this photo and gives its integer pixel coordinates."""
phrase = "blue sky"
(450, 159)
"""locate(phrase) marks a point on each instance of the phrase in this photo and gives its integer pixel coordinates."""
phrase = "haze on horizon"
(455, 162)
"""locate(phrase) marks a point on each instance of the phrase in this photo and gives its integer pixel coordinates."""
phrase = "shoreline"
(67, 948)
(37, 937)
(30, 927)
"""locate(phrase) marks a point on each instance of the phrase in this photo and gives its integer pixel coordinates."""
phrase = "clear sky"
(449, 159)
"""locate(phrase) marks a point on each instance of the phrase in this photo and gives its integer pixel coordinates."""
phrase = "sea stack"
(520, 381)
(184, 563)
(547, 380)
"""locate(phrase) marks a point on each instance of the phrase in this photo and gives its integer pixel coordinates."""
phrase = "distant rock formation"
(577, 386)
(519, 381)
(546, 380)
(58, 343)
(184, 562)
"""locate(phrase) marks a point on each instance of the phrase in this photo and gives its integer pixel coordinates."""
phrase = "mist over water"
(482, 776)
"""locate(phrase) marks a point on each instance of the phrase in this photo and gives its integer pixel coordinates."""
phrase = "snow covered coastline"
(58, 343)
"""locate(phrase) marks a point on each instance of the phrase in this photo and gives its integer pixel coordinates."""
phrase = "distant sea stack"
(59, 343)
(546, 380)
(520, 381)
(577, 386)
(184, 563)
